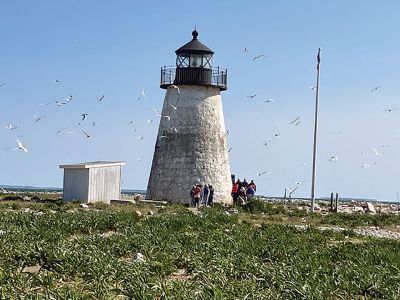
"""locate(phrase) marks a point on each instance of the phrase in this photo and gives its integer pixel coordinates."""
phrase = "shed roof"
(93, 164)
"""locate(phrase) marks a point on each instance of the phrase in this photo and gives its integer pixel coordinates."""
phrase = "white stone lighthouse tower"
(191, 143)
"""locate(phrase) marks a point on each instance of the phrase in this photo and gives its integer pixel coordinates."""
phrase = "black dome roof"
(194, 46)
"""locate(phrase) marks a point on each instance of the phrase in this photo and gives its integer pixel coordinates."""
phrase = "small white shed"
(98, 181)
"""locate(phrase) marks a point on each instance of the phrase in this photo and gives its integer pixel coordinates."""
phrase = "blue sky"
(116, 48)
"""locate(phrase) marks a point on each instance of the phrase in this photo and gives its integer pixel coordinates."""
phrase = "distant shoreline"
(23, 188)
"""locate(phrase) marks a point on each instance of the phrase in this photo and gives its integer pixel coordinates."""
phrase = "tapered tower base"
(191, 146)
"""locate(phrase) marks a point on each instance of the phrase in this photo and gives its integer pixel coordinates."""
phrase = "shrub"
(255, 206)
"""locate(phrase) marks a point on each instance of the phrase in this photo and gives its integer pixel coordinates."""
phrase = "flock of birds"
(83, 116)
(20, 146)
(289, 191)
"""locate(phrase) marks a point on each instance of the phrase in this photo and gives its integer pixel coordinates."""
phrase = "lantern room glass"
(182, 60)
(207, 61)
(195, 60)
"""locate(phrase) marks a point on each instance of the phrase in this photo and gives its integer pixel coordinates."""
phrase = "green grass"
(87, 255)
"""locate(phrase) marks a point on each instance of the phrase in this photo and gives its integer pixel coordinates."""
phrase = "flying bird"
(291, 191)
(142, 95)
(313, 88)
(10, 127)
(277, 134)
(295, 120)
(87, 136)
(149, 121)
(57, 80)
(230, 149)
(375, 88)
(131, 122)
(376, 152)
(84, 115)
(174, 107)
(94, 123)
(258, 57)
(21, 146)
(391, 109)
(251, 96)
(224, 162)
(333, 158)
(60, 130)
(64, 130)
(140, 137)
(269, 100)
(100, 98)
(2, 84)
(37, 119)
(174, 129)
(245, 50)
(167, 117)
(69, 99)
(163, 137)
(262, 173)
(59, 103)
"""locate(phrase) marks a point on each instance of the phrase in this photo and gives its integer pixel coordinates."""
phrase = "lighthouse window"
(182, 60)
(195, 60)
(207, 60)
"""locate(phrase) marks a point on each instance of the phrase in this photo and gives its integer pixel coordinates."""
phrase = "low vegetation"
(61, 251)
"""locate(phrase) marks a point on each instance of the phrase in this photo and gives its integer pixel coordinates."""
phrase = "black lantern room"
(194, 67)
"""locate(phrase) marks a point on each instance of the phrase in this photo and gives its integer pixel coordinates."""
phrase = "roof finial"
(195, 33)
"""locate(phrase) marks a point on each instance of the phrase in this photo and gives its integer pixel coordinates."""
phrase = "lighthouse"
(191, 145)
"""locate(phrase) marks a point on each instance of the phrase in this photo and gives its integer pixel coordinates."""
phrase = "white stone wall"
(191, 146)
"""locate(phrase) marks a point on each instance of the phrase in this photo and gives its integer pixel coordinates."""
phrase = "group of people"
(242, 191)
(200, 195)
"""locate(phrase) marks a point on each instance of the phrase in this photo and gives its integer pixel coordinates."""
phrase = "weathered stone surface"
(191, 146)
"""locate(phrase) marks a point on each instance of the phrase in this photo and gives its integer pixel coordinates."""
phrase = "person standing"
(245, 184)
(210, 195)
(253, 185)
(235, 193)
(192, 204)
(197, 195)
(250, 192)
(242, 196)
(205, 195)
(239, 183)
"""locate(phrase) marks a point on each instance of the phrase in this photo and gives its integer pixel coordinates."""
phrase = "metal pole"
(337, 202)
(315, 134)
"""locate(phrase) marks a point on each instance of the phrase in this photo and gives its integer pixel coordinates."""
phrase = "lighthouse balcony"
(193, 76)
